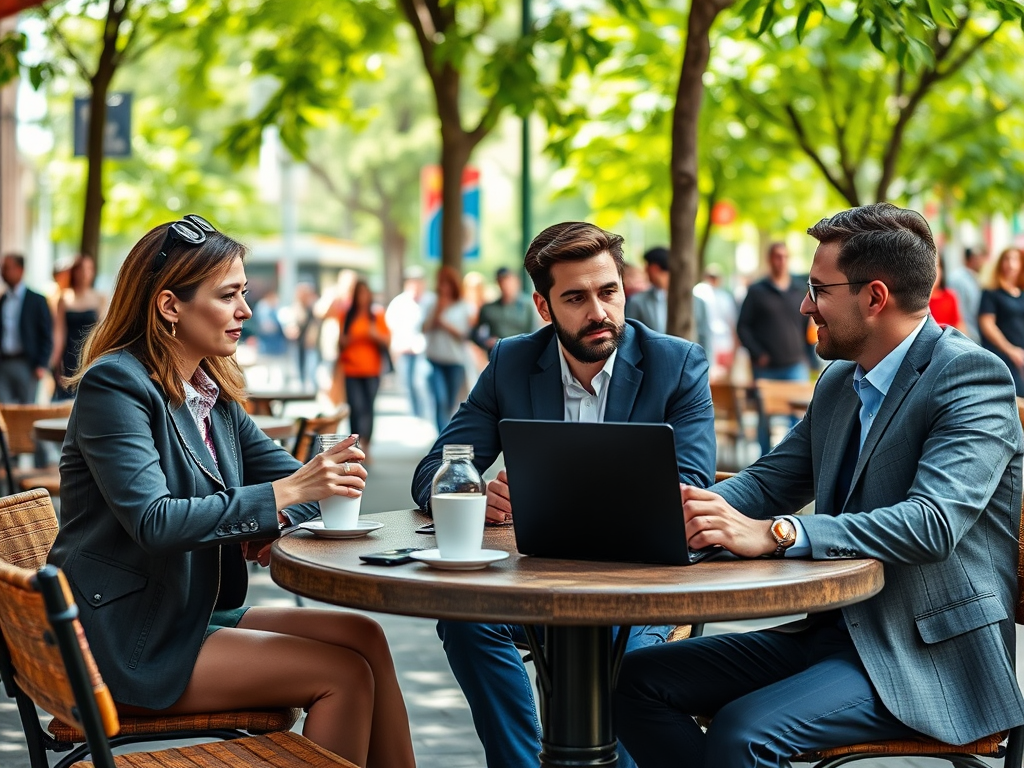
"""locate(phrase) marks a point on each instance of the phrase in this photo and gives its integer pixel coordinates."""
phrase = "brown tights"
(335, 665)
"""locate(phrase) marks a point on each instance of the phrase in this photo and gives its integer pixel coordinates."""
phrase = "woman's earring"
(174, 330)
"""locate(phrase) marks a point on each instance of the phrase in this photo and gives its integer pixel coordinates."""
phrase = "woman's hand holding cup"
(336, 471)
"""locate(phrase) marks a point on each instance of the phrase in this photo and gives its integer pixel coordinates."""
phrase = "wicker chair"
(28, 527)
(308, 430)
(19, 420)
(52, 665)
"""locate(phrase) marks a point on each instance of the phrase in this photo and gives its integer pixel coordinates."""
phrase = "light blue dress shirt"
(871, 387)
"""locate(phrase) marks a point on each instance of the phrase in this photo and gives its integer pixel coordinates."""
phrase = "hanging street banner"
(430, 212)
(117, 135)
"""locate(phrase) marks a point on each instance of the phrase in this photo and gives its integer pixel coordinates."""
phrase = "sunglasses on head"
(190, 230)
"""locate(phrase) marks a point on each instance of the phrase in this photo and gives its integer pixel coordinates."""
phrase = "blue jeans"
(771, 695)
(494, 679)
(445, 384)
(795, 372)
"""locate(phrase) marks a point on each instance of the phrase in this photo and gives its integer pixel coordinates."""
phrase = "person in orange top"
(362, 346)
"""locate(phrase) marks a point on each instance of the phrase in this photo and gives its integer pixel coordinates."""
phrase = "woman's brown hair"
(133, 322)
(451, 276)
(997, 268)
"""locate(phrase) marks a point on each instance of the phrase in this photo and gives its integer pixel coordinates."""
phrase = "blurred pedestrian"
(943, 303)
(79, 308)
(510, 315)
(404, 317)
(722, 311)
(634, 280)
(26, 335)
(362, 352)
(965, 282)
(447, 326)
(773, 330)
(1001, 315)
(303, 331)
(650, 307)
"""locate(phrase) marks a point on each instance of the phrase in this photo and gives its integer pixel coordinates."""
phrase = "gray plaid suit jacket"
(936, 496)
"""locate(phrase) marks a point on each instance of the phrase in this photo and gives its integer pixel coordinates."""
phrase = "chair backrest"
(48, 653)
(305, 440)
(5, 456)
(19, 419)
(28, 526)
(776, 396)
(726, 403)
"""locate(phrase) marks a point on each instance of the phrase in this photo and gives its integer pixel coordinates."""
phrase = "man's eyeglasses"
(812, 288)
(191, 230)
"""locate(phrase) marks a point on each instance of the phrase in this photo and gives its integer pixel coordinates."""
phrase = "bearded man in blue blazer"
(911, 450)
(589, 364)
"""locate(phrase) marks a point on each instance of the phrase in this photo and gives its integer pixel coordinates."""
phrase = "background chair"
(729, 431)
(28, 527)
(5, 458)
(51, 664)
(782, 398)
(307, 430)
(19, 420)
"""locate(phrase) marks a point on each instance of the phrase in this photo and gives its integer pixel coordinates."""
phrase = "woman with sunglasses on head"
(167, 486)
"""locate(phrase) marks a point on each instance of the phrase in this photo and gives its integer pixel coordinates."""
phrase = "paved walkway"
(442, 730)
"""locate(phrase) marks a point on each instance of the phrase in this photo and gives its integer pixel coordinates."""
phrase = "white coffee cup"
(340, 512)
(459, 523)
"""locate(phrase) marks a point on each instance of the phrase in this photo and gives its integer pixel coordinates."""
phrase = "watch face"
(783, 531)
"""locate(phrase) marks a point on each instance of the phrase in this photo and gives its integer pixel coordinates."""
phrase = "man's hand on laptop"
(499, 504)
(710, 521)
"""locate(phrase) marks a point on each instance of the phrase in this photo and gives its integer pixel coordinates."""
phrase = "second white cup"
(459, 524)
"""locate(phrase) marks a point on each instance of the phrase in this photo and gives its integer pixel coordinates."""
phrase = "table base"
(576, 672)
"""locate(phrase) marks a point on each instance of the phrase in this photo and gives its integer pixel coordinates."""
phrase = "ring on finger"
(347, 469)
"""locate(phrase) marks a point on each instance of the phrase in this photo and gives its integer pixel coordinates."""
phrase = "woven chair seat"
(252, 721)
(278, 750)
(990, 746)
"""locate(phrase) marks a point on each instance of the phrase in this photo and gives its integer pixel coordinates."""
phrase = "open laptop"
(605, 491)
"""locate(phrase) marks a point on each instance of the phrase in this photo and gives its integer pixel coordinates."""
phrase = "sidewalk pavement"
(442, 730)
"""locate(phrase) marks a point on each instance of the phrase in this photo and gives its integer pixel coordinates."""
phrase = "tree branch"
(928, 80)
(847, 190)
(55, 33)
(422, 23)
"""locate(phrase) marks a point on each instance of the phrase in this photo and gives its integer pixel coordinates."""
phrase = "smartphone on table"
(390, 556)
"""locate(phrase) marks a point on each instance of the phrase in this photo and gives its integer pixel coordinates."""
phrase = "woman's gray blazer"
(151, 525)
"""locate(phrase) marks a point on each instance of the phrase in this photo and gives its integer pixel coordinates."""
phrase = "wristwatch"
(784, 533)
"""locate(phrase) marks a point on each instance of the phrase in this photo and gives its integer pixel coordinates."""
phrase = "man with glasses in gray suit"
(911, 450)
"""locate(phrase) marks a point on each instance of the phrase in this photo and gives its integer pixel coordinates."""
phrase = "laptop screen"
(595, 491)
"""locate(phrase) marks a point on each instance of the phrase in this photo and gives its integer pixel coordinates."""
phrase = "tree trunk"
(92, 216)
(394, 247)
(685, 194)
(455, 154)
(100, 83)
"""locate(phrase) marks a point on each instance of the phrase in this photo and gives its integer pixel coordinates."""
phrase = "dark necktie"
(848, 465)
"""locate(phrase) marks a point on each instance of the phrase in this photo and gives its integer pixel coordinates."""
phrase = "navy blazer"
(151, 525)
(656, 379)
(35, 328)
(936, 496)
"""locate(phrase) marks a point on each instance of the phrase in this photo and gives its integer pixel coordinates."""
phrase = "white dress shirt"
(580, 405)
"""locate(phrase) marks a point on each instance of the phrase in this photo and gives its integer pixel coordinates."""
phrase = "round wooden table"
(270, 402)
(53, 430)
(576, 602)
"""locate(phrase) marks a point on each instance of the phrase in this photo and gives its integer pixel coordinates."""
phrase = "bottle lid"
(452, 452)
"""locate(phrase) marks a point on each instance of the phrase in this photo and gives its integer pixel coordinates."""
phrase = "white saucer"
(485, 557)
(316, 527)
